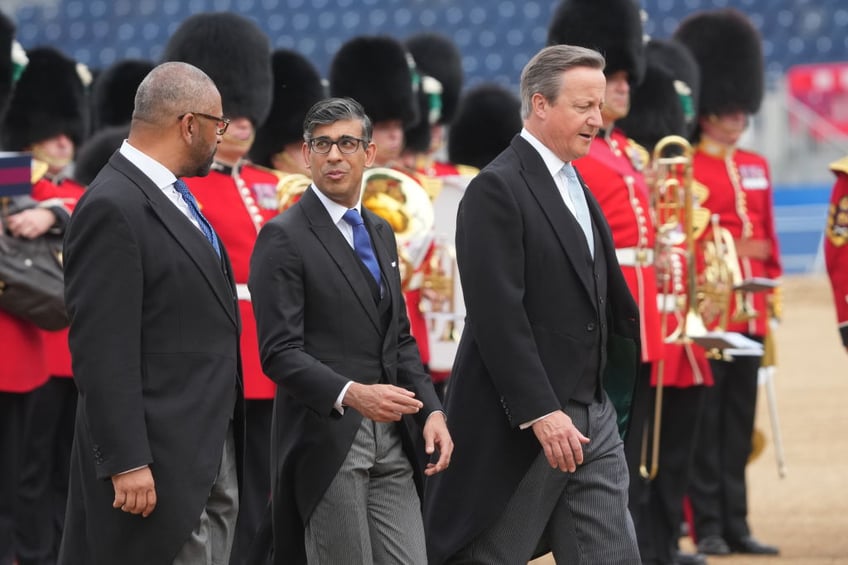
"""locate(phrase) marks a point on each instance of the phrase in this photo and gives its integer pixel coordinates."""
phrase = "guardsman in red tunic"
(47, 116)
(663, 105)
(237, 198)
(729, 52)
(613, 171)
(835, 248)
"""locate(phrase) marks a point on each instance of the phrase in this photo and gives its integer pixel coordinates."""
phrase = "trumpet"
(679, 223)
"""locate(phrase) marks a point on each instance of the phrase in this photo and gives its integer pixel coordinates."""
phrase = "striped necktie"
(205, 227)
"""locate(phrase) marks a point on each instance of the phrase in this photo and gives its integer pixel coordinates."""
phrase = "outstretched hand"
(381, 402)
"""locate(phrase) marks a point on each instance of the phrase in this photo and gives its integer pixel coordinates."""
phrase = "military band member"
(729, 53)
(237, 198)
(47, 116)
(836, 237)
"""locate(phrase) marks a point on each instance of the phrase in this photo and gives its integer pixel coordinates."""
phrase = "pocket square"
(394, 264)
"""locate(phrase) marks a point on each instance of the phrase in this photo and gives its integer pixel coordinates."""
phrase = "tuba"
(679, 222)
(404, 203)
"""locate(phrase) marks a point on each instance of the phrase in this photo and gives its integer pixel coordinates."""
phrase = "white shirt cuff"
(526, 425)
(338, 405)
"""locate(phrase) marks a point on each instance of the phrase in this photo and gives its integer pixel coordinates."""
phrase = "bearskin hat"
(297, 86)
(7, 36)
(49, 99)
(96, 151)
(376, 72)
(437, 56)
(611, 27)
(113, 92)
(664, 103)
(235, 53)
(487, 118)
(729, 54)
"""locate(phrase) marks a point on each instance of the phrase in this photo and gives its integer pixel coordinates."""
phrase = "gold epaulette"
(840, 166)
(642, 152)
(467, 170)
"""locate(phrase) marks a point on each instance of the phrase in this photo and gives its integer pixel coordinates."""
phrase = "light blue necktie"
(207, 230)
(581, 208)
(362, 242)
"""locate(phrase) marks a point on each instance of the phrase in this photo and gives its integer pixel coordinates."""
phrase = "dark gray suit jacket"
(319, 327)
(532, 322)
(155, 345)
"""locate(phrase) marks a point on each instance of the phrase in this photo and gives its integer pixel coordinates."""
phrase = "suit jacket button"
(590, 327)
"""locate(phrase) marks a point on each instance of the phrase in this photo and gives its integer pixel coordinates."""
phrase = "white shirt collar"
(335, 209)
(156, 171)
(552, 162)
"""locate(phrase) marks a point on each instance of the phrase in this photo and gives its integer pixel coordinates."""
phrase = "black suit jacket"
(532, 319)
(155, 345)
(319, 327)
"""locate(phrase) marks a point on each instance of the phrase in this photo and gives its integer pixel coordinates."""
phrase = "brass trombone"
(679, 223)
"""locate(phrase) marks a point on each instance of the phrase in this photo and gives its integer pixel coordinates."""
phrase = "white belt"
(634, 256)
(243, 292)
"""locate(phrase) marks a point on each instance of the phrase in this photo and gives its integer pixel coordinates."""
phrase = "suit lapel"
(339, 249)
(186, 235)
(563, 222)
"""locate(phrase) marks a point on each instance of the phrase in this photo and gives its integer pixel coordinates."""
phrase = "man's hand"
(436, 435)
(31, 223)
(561, 440)
(381, 403)
(135, 492)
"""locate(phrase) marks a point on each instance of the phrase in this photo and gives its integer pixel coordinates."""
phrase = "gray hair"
(543, 74)
(169, 90)
(332, 110)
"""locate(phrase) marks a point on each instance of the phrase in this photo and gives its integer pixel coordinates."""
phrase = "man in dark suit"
(334, 336)
(550, 325)
(155, 345)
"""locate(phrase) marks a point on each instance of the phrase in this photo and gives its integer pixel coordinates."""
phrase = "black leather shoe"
(683, 558)
(713, 545)
(750, 545)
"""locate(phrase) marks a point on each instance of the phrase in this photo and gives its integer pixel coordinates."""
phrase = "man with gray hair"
(548, 355)
(155, 344)
(352, 395)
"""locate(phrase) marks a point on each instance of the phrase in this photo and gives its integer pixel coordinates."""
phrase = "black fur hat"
(437, 56)
(376, 72)
(49, 99)
(113, 92)
(729, 53)
(96, 151)
(7, 36)
(664, 103)
(611, 27)
(487, 118)
(297, 86)
(235, 53)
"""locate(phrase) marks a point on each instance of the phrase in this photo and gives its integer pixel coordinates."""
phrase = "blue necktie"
(362, 243)
(581, 208)
(207, 230)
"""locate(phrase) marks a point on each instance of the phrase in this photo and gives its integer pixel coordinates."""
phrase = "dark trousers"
(661, 512)
(717, 490)
(641, 418)
(44, 473)
(256, 484)
(13, 410)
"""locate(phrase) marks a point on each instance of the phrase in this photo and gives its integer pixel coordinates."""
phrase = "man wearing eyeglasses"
(352, 392)
(155, 344)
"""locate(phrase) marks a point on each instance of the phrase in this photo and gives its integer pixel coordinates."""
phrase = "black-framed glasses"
(221, 123)
(347, 144)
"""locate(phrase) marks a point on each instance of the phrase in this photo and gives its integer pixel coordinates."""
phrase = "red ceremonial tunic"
(836, 245)
(238, 203)
(612, 171)
(740, 192)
